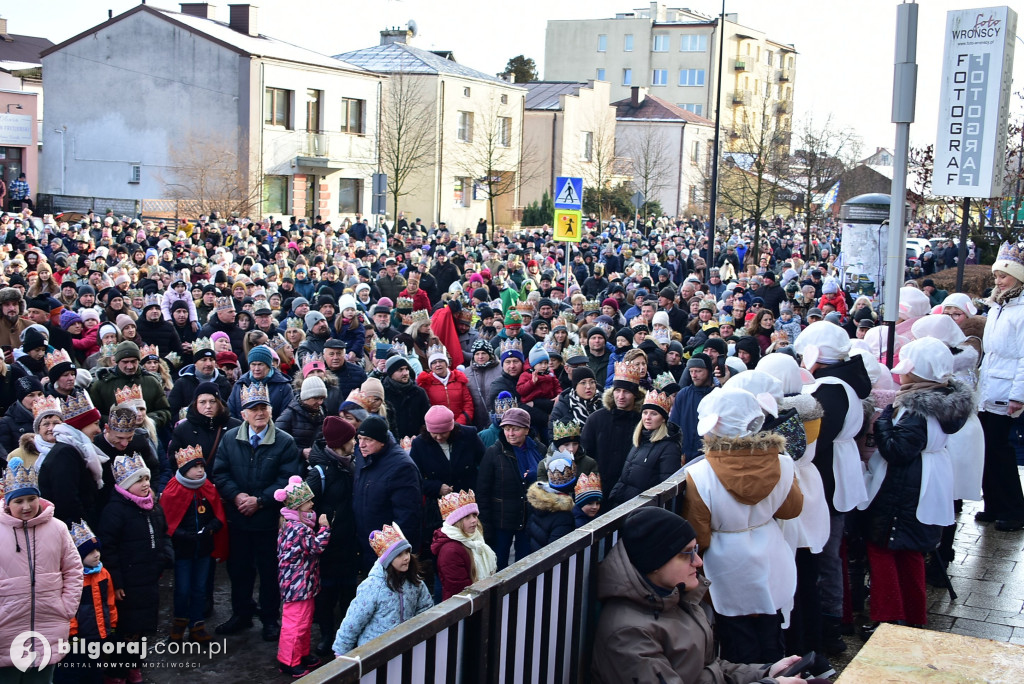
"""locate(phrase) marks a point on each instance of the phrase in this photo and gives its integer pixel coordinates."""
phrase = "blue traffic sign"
(568, 193)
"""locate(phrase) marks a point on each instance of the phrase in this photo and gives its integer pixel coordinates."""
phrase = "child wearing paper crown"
(41, 571)
(198, 529)
(392, 592)
(588, 498)
(551, 502)
(135, 543)
(463, 557)
(299, 546)
(97, 613)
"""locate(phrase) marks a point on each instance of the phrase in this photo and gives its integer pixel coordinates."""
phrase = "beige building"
(469, 128)
(569, 131)
(674, 53)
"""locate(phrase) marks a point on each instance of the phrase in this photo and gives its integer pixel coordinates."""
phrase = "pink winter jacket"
(58, 580)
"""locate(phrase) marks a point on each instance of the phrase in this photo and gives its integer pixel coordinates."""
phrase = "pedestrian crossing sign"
(568, 225)
(568, 193)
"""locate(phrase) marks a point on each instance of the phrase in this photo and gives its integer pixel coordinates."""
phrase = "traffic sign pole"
(568, 215)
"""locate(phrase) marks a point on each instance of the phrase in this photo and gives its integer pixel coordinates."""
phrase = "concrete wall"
(130, 94)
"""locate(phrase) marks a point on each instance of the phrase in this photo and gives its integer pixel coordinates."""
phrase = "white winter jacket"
(1002, 368)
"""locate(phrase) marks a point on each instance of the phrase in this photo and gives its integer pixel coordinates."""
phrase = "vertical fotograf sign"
(977, 68)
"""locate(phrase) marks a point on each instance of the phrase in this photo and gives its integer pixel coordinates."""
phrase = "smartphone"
(798, 667)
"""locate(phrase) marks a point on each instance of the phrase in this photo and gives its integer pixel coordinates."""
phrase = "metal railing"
(741, 97)
(48, 203)
(532, 622)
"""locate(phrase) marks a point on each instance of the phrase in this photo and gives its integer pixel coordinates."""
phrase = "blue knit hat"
(261, 354)
(538, 355)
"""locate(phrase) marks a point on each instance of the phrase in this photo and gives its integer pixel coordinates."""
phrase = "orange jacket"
(97, 614)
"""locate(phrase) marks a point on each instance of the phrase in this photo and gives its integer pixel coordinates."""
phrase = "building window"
(275, 195)
(769, 57)
(660, 42)
(135, 175)
(505, 130)
(627, 45)
(465, 132)
(695, 155)
(313, 98)
(627, 77)
(350, 195)
(504, 99)
(691, 77)
(694, 195)
(697, 109)
(463, 186)
(659, 77)
(600, 74)
(466, 92)
(277, 104)
(352, 115)
(693, 42)
(587, 146)
(602, 43)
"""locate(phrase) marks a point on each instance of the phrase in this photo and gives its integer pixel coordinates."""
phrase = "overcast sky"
(845, 47)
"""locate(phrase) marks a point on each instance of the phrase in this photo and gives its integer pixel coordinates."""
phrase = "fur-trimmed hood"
(549, 502)
(748, 467)
(951, 405)
(807, 407)
(965, 359)
(608, 400)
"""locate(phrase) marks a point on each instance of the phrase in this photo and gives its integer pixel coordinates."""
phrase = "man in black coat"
(444, 271)
(350, 376)
(183, 327)
(38, 311)
(331, 479)
(190, 377)
(254, 461)
(223, 319)
(122, 437)
(407, 402)
(153, 329)
(772, 293)
(607, 435)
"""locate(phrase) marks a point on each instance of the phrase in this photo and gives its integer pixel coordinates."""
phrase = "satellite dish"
(413, 27)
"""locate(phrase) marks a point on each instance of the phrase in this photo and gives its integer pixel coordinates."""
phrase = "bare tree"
(495, 157)
(597, 163)
(824, 153)
(752, 172)
(208, 174)
(406, 137)
(649, 162)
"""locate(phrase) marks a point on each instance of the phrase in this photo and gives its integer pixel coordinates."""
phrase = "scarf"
(1003, 296)
(580, 408)
(917, 386)
(143, 502)
(189, 483)
(42, 446)
(485, 561)
(307, 518)
(93, 457)
(92, 571)
(444, 380)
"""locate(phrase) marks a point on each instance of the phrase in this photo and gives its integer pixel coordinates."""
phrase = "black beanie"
(375, 428)
(652, 536)
(207, 388)
(26, 385)
(33, 340)
(582, 373)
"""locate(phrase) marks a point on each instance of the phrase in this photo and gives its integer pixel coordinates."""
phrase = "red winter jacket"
(546, 387)
(454, 564)
(455, 395)
(837, 300)
(420, 300)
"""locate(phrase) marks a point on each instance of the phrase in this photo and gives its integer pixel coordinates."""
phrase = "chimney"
(3, 26)
(198, 9)
(243, 19)
(395, 35)
(637, 96)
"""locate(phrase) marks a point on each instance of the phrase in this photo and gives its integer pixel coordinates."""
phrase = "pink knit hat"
(439, 419)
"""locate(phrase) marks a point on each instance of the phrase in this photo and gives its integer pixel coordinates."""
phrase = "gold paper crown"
(126, 466)
(664, 380)
(133, 293)
(568, 316)
(256, 391)
(225, 304)
(277, 343)
(188, 454)
(574, 351)
(202, 344)
(567, 430)
(451, 502)
(638, 321)
(55, 357)
(508, 345)
(564, 476)
(46, 405)
(357, 396)
(152, 300)
(149, 350)
(403, 303)
(123, 418)
(75, 405)
(630, 371)
(294, 322)
(437, 349)
(19, 476)
(659, 399)
(108, 350)
(383, 539)
(524, 308)
(420, 316)
(587, 484)
(555, 322)
(295, 493)
(128, 393)
(81, 533)
(591, 306)
(607, 327)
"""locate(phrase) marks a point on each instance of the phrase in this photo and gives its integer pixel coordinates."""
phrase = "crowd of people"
(369, 421)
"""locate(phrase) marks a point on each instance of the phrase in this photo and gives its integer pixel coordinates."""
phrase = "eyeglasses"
(692, 553)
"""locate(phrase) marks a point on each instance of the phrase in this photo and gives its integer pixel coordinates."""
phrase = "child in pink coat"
(40, 576)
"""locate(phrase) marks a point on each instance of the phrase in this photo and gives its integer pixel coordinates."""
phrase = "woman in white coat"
(1001, 391)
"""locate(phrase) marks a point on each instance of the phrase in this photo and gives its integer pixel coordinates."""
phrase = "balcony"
(740, 65)
(784, 107)
(785, 75)
(329, 150)
(741, 97)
